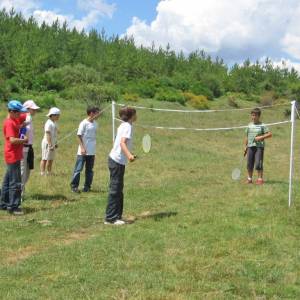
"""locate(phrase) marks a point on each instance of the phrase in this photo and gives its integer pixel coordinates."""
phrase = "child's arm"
(126, 150)
(17, 141)
(82, 147)
(49, 141)
(263, 137)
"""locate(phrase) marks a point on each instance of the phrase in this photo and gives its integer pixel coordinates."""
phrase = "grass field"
(197, 234)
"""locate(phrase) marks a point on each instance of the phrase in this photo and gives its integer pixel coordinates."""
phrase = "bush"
(46, 101)
(232, 102)
(69, 76)
(4, 90)
(170, 95)
(199, 89)
(196, 101)
(131, 97)
(93, 94)
(144, 88)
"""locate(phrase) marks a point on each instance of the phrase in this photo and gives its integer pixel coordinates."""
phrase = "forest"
(55, 61)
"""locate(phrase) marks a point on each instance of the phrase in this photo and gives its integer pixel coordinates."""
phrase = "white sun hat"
(30, 104)
(53, 111)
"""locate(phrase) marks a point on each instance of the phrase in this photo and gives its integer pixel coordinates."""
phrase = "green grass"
(197, 234)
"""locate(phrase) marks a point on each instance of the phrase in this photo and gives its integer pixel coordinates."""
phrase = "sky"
(232, 29)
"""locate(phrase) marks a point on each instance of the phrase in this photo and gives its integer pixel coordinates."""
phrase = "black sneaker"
(75, 190)
(86, 189)
(3, 208)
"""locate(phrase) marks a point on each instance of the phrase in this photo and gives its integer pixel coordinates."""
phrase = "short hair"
(92, 109)
(126, 113)
(256, 111)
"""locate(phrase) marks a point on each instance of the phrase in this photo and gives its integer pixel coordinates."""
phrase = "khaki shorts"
(47, 154)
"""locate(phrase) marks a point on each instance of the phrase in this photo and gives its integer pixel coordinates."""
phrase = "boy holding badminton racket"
(256, 133)
(118, 157)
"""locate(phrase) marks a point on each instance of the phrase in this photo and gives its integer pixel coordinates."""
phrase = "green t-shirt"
(253, 131)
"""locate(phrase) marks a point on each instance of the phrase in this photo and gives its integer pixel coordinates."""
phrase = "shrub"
(232, 102)
(170, 95)
(4, 90)
(68, 76)
(196, 101)
(46, 101)
(93, 94)
(199, 89)
(131, 97)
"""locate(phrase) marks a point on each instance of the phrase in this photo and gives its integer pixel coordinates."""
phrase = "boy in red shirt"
(13, 153)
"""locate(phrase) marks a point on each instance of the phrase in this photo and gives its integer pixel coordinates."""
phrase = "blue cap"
(16, 105)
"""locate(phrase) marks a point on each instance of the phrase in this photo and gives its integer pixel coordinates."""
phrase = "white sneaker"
(117, 223)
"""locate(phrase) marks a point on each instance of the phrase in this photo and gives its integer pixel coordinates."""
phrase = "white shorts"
(47, 154)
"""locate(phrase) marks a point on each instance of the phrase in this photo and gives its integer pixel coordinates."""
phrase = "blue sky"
(125, 10)
(232, 29)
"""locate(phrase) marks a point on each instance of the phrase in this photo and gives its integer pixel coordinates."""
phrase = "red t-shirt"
(12, 153)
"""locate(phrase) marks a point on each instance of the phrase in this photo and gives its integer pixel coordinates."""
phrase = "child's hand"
(83, 151)
(25, 140)
(259, 138)
(245, 151)
(131, 158)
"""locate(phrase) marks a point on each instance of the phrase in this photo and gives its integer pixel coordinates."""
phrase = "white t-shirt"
(29, 131)
(87, 130)
(124, 131)
(51, 127)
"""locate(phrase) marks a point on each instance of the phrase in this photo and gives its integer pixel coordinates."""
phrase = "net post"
(113, 116)
(293, 111)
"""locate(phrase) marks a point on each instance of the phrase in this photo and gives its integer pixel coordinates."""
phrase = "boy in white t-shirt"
(49, 142)
(117, 160)
(86, 150)
(27, 163)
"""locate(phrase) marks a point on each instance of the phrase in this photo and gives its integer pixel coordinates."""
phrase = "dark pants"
(11, 187)
(255, 157)
(88, 160)
(114, 209)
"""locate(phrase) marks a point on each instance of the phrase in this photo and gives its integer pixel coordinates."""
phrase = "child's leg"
(259, 159)
(250, 161)
(114, 207)
(49, 166)
(77, 170)
(15, 185)
(89, 173)
(43, 166)
(5, 191)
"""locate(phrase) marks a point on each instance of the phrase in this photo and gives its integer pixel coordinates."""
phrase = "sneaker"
(260, 181)
(75, 190)
(16, 212)
(3, 208)
(117, 223)
(86, 190)
(249, 181)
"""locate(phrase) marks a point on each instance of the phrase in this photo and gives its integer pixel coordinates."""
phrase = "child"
(116, 163)
(28, 153)
(49, 142)
(86, 151)
(256, 132)
(13, 151)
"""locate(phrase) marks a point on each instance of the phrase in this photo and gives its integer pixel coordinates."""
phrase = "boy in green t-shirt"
(256, 132)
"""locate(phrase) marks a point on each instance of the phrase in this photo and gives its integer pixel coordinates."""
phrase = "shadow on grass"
(158, 216)
(55, 197)
(273, 182)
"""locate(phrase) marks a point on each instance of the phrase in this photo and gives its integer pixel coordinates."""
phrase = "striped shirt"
(255, 130)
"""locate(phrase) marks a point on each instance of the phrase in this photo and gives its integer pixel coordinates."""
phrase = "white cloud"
(26, 6)
(94, 11)
(232, 29)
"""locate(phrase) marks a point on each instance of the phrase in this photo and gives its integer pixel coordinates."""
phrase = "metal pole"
(113, 115)
(293, 110)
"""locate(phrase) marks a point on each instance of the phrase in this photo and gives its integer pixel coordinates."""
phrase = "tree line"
(78, 64)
